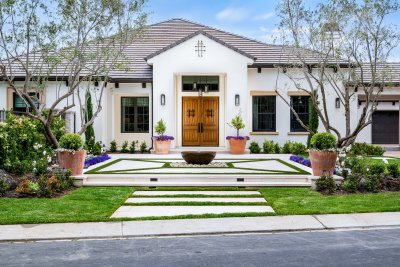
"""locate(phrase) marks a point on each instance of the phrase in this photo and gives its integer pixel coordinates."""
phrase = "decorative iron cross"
(200, 48)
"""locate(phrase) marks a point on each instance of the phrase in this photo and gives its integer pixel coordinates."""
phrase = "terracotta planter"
(237, 146)
(162, 147)
(323, 161)
(72, 161)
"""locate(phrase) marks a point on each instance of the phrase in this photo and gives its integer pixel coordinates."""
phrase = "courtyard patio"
(171, 170)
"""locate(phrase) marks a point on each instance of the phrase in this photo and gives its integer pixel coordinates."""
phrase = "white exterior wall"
(267, 81)
(112, 118)
(217, 60)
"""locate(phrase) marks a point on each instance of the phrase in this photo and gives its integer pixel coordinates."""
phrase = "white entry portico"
(199, 55)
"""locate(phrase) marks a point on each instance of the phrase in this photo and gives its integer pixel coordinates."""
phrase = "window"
(134, 114)
(301, 105)
(19, 104)
(201, 81)
(264, 113)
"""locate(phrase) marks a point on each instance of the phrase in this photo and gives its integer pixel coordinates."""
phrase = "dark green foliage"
(96, 149)
(393, 169)
(64, 177)
(124, 147)
(323, 141)
(143, 147)
(325, 184)
(372, 183)
(254, 148)
(295, 148)
(364, 149)
(4, 186)
(313, 121)
(71, 141)
(133, 146)
(351, 182)
(90, 138)
(270, 147)
(113, 146)
(376, 169)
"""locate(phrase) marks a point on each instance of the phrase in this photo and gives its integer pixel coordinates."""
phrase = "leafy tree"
(72, 42)
(339, 49)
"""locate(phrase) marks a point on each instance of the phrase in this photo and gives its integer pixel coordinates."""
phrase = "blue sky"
(251, 18)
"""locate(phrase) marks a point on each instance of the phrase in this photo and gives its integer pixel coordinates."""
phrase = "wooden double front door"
(200, 121)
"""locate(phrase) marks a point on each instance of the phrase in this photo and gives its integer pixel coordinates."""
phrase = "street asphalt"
(379, 247)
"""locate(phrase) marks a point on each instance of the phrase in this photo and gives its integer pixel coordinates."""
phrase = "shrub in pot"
(71, 156)
(237, 144)
(323, 154)
(162, 143)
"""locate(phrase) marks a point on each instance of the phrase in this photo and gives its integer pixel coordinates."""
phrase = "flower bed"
(96, 160)
(238, 137)
(301, 160)
(163, 138)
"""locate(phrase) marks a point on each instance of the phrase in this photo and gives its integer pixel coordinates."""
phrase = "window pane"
(201, 81)
(134, 114)
(264, 113)
(301, 105)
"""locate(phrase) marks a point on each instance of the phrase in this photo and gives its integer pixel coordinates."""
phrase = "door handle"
(200, 128)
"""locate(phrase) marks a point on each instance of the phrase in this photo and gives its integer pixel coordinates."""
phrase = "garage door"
(385, 127)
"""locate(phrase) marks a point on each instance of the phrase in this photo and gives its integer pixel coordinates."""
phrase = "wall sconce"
(337, 102)
(116, 85)
(96, 83)
(162, 99)
(237, 100)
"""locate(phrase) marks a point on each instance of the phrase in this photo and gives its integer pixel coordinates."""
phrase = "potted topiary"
(70, 154)
(323, 154)
(161, 142)
(237, 144)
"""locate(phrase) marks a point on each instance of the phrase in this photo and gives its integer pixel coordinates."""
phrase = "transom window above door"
(203, 83)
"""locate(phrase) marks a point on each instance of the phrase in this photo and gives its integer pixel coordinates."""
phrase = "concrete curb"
(125, 229)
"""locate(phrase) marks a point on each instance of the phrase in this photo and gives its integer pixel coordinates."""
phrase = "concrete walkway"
(32, 232)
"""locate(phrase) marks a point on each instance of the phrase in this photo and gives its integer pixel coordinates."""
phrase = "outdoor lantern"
(206, 88)
(337, 102)
(237, 100)
(194, 86)
(162, 99)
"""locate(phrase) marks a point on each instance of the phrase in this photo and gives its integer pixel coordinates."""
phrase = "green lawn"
(82, 205)
(98, 203)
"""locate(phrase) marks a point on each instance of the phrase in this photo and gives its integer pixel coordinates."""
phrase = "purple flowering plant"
(160, 129)
(238, 124)
(96, 160)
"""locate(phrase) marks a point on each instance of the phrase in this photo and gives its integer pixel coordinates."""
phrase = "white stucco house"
(196, 78)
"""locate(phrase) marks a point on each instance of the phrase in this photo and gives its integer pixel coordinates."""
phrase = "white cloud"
(232, 14)
(265, 16)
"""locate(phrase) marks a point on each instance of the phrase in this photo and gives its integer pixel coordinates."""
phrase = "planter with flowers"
(162, 143)
(237, 144)
(323, 154)
(70, 154)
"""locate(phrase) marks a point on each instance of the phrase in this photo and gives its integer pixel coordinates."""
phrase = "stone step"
(160, 211)
(206, 193)
(112, 182)
(195, 199)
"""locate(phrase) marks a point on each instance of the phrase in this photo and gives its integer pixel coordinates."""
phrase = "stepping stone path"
(252, 202)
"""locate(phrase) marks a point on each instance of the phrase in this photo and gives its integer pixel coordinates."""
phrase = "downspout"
(152, 116)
